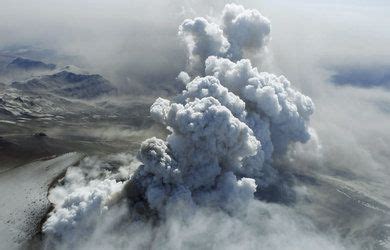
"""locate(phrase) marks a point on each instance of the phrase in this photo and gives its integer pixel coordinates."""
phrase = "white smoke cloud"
(242, 30)
(196, 189)
(203, 39)
(217, 136)
(267, 95)
(246, 30)
(86, 193)
(207, 143)
(78, 200)
(90, 213)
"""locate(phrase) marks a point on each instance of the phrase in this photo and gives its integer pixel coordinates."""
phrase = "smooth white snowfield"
(24, 197)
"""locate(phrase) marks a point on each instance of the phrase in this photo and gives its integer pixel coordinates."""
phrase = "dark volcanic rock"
(40, 134)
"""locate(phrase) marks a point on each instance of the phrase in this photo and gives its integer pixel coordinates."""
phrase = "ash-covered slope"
(17, 104)
(68, 84)
(24, 201)
(21, 108)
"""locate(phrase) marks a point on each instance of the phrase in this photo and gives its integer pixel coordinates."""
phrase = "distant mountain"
(20, 69)
(28, 65)
(68, 84)
(37, 91)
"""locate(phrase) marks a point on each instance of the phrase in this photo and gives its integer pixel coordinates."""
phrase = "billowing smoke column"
(226, 126)
(242, 31)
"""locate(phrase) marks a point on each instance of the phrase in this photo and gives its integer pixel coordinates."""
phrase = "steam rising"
(196, 189)
(214, 155)
(242, 31)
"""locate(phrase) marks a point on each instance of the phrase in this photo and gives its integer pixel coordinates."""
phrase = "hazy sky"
(113, 33)
(137, 42)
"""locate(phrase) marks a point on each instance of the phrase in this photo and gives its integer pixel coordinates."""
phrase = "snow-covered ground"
(24, 200)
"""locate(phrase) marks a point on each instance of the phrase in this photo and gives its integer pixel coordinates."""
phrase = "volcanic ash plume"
(242, 31)
(225, 128)
(227, 125)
